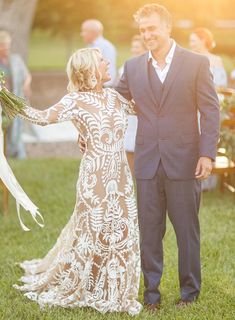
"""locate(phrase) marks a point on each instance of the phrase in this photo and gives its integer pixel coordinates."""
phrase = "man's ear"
(169, 27)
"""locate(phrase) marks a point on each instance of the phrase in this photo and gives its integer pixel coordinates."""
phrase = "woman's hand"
(27, 86)
(81, 144)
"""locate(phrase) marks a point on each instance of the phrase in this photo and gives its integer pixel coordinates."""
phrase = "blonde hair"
(149, 9)
(5, 37)
(83, 69)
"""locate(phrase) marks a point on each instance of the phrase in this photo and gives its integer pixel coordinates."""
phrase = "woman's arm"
(65, 110)
(27, 86)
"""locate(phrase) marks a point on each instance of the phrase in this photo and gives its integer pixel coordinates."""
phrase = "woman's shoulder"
(118, 95)
(71, 98)
(215, 60)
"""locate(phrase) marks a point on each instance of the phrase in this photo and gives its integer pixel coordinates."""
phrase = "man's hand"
(81, 144)
(204, 168)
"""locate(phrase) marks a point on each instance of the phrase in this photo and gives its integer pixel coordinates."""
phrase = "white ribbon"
(8, 178)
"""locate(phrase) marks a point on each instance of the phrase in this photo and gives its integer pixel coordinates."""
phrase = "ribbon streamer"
(8, 178)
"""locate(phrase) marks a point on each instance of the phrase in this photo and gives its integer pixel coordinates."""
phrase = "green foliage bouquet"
(11, 104)
(227, 135)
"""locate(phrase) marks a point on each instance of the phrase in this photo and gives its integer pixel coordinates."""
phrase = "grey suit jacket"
(168, 127)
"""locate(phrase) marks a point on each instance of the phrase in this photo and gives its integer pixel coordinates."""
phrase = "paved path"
(57, 140)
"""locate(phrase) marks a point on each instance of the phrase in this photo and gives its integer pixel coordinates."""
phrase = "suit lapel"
(146, 80)
(172, 73)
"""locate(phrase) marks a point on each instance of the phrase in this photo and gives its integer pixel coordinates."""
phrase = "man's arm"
(208, 105)
(123, 87)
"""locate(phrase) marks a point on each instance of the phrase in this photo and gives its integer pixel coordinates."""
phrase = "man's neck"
(97, 38)
(160, 55)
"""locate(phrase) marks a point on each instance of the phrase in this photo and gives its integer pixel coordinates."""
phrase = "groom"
(169, 86)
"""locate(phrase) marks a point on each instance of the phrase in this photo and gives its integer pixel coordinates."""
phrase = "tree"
(16, 16)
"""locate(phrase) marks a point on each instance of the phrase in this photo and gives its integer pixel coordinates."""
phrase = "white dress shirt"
(109, 52)
(162, 73)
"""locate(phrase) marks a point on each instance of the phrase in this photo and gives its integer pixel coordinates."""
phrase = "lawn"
(51, 185)
(50, 53)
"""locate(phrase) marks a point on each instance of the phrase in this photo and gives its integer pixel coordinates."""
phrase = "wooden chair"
(5, 192)
(225, 168)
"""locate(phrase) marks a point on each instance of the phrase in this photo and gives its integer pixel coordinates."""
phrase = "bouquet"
(11, 104)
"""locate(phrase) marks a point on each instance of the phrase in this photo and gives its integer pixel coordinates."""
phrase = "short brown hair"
(149, 9)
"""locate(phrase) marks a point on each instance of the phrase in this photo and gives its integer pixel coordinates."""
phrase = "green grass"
(51, 185)
(51, 53)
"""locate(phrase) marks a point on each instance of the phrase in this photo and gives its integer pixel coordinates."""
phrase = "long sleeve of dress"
(65, 110)
(127, 105)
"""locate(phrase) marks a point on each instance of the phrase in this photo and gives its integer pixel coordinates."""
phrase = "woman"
(18, 80)
(95, 261)
(201, 41)
(137, 49)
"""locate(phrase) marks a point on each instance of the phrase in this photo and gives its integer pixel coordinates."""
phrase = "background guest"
(18, 80)
(92, 35)
(201, 40)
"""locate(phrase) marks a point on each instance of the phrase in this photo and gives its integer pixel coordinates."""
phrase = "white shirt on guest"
(162, 73)
(109, 52)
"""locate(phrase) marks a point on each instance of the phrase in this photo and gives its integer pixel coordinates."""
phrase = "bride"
(95, 261)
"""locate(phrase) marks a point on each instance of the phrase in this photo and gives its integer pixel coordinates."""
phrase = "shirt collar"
(169, 56)
(97, 41)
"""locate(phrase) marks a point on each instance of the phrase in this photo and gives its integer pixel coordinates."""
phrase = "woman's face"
(104, 69)
(195, 43)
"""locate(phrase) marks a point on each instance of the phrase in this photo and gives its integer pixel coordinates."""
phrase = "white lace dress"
(95, 261)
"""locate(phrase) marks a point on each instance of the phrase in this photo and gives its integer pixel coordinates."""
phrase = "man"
(169, 86)
(18, 80)
(92, 35)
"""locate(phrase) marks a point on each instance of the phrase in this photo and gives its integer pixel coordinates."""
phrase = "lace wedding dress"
(95, 261)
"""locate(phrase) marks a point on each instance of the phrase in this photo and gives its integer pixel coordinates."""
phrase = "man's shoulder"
(136, 60)
(108, 44)
(196, 57)
(16, 60)
(15, 57)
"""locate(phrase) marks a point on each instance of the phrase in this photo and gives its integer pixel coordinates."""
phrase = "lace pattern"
(95, 261)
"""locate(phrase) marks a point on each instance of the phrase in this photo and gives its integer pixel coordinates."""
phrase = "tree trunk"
(16, 16)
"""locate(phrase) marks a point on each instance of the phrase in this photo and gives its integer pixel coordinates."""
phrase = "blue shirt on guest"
(109, 52)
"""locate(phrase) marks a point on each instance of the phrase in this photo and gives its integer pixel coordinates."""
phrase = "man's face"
(4, 50)
(87, 33)
(154, 31)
